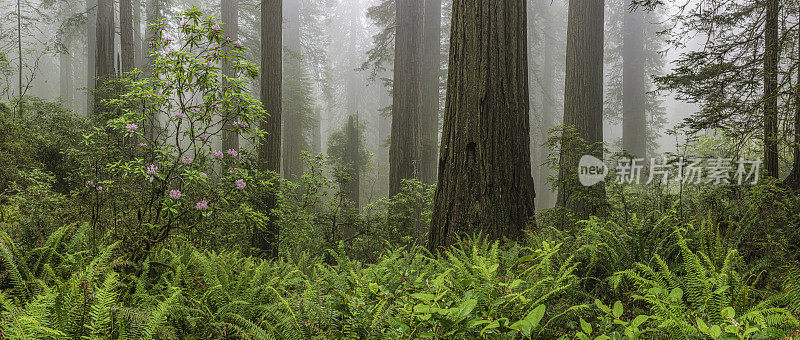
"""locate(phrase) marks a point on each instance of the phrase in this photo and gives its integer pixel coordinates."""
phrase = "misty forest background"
(305, 169)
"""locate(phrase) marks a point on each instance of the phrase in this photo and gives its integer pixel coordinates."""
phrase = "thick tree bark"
(634, 120)
(293, 136)
(126, 36)
(583, 105)
(485, 184)
(91, 37)
(269, 152)
(771, 51)
(230, 18)
(104, 54)
(406, 145)
(430, 90)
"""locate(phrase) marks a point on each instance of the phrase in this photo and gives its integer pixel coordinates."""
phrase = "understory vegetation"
(714, 263)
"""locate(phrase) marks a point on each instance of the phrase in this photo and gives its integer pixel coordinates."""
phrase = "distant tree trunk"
(634, 119)
(430, 90)
(126, 36)
(230, 18)
(19, 51)
(793, 181)
(91, 54)
(406, 145)
(269, 152)
(316, 133)
(65, 63)
(154, 16)
(583, 104)
(104, 56)
(545, 197)
(771, 51)
(293, 136)
(484, 183)
(351, 161)
(138, 58)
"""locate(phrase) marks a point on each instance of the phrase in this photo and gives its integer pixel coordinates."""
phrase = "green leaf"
(465, 308)
(639, 320)
(536, 315)
(602, 306)
(373, 287)
(617, 309)
(728, 313)
(586, 327)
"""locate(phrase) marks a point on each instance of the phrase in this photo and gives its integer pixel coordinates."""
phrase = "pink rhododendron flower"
(186, 160)
(131, 127)
(233, 153)
(202, 205)
(216, 27)
(240, 184)
(237, 43)
(175, 194)
(89, 184)
(179, 114)
(217, 154)
(99, 188)
(152, 169)
(203, 175)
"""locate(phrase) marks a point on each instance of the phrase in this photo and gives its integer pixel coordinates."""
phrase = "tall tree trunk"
(634, 120)
(545, 191)
(793, 181)
(126, 36)
(269, 152)
(293, 136)
(91, 54)
(65, 74)
(583, 105)
(104, 55)
(154, 16)
(485, 184)
(230, 18)
(316, 133)
(430, 90)
(406, 146)
(138, 58)
(771, 51)
(351, 161)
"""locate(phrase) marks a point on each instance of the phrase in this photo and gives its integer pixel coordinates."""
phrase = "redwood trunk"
(430, 90)
(634, 120)
(406, 144)
(583, 105)
(230, 18)
(269, 152)
(771, 50)
(485, 184)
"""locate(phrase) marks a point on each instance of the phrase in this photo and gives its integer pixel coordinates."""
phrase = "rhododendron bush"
(165, 171)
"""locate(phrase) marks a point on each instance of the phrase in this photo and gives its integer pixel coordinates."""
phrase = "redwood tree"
(406, 144)
(634, 119)
(230, 18)
(429, 123)
(771, 50)
(269, 152)
(484, 183)
(583, 105)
